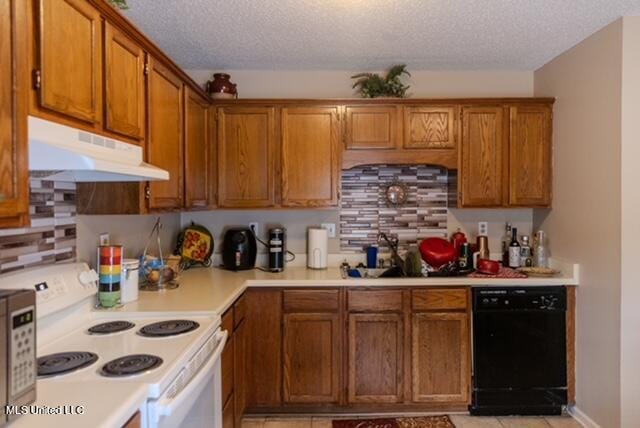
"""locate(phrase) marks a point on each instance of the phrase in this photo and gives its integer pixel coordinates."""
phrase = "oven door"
(199, 402)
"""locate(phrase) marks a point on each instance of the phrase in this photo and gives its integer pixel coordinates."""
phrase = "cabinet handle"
(147, 192)
(37, 79)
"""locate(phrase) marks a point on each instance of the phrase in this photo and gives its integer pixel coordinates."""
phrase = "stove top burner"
(111, 327)
(168, 328)
(130, 365)
(64, 362)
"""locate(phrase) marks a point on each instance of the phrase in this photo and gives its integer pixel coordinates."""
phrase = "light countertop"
(215, 289)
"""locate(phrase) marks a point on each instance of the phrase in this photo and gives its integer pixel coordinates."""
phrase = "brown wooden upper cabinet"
(165, 140)
(429, 127)
(14, 184)
(69, 69)
(482, 163)
(530, 156)
(246, 153)
(310, 156)
(196, 151)
(372, 127)
(124, 67)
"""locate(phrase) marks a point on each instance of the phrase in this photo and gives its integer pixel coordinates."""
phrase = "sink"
(360, 273)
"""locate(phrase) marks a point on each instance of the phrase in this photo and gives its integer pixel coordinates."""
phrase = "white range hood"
(70, 154)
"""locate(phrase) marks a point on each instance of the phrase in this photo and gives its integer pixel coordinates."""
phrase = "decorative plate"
(195, 245)
(396, 194)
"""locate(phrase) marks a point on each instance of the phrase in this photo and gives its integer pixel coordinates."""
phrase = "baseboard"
(582, 417)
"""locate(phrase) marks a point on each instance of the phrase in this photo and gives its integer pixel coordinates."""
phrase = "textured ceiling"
(371, 34)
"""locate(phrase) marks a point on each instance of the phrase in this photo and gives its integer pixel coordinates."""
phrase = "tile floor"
(460, 421)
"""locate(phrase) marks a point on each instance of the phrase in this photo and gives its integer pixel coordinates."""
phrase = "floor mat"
(418, 422)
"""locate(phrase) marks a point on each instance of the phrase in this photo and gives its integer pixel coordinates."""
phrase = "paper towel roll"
(317, 248)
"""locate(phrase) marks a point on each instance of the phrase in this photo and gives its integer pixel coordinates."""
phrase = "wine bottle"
(505, 245)
(514, 249)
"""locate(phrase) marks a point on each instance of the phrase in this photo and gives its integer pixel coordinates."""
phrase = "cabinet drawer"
(440, 299)
(227, 321)
(311, 301)
(374, 300)
(239, 311)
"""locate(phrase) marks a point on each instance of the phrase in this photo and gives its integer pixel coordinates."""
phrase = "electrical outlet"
(331, 228)
(104, 239)
(254, 226)
(483, 228)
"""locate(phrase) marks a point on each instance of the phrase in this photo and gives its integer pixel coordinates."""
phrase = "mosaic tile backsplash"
(364, 211)
(52, 234)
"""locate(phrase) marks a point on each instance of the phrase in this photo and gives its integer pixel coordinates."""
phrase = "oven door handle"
(166, 406)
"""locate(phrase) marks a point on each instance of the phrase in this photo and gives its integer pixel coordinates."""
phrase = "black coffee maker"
(239, 249)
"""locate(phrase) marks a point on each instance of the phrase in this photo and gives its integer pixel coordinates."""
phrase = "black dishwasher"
(519, 351)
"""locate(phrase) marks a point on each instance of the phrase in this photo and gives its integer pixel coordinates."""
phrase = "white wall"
(630, 289)
(584, 224)
(132, 231)
(337, 84)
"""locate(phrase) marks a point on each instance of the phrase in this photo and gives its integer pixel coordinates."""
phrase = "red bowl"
(488, 267)
(437, 252)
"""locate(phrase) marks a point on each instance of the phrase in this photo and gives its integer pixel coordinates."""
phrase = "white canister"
(129, 280)
(317, 248)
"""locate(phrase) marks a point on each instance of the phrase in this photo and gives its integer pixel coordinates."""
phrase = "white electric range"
(105, 365)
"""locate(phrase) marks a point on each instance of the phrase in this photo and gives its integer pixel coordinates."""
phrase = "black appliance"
(239, 249)
(276, 249)
(519, 351)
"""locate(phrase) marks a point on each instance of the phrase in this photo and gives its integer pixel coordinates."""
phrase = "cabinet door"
(240, 372)
(263, 348)
(482, 165)
(440, 357)
(530, 156)
(375, 358)
(124, 84)
(311, 358)
(164, 142)
(228, 417)
(429, 128)
(371, 127)
(196, 151)
(70, 55)
(246, 167)
(310, 158)
(14, 180)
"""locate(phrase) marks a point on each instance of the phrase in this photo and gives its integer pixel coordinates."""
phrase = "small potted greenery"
(119, 4)
(373, 85)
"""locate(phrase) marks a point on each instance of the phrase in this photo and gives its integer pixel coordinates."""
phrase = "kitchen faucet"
(393, 246)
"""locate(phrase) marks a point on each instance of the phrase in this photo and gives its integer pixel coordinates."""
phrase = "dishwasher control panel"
(520, 298)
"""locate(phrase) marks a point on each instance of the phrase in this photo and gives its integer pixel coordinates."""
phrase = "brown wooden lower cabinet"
(239, 368)
(264, 348)
(311, 358)
(440, 357)
(134, 422)
(358, 349)
(375, 358)
(233, 366)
